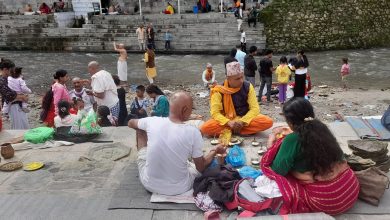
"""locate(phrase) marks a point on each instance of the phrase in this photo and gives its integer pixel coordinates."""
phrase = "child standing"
(344, 72)
(138, 108)
(168, 39)
(243, 40)
(283, 73)
(17, 83)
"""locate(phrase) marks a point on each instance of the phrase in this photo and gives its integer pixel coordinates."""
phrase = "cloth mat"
(361, 207)
(369, 128)
(132, 195)
(186, 197)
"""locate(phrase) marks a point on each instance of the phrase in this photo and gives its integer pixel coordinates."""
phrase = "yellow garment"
(219, 112)
(238, 4)
(283, 73)
(150, 72)
(170, 9)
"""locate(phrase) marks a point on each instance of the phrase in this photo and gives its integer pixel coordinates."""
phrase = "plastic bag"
(236, 157)
(248, 171)
(39, 135)
(86, 124)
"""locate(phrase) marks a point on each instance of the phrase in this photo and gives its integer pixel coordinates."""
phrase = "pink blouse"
(60, 92)
(344, 69)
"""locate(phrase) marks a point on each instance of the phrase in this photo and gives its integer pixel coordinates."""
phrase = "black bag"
(46, 104)
(386, 119)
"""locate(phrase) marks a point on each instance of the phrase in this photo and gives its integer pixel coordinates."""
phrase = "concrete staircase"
(206, 33)
(203, 33)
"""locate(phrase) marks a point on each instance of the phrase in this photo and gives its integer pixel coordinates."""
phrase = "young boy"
(140, 104)
(168, 39)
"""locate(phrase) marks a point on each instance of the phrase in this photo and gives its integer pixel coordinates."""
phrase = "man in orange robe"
(234, 106)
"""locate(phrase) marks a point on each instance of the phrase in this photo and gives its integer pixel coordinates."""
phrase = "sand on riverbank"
(330, 103)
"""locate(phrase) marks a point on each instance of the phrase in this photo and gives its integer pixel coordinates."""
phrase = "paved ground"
(78, 181)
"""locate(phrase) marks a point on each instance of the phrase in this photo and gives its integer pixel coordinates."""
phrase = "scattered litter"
(277, 107)
(202, 94)
(167, 92)
(323, 86)
(371, 107)
(323, 95)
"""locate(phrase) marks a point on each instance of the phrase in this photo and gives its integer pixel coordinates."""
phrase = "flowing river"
(369, 68)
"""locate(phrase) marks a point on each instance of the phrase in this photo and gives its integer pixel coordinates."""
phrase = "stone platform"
(78, 181)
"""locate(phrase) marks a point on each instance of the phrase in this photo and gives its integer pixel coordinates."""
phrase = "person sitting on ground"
(169, 10)
(204, 6)
(230, 58)
(308, 162)
(161, 104)
(105, 118)
(139, 106)
(79, 92)
(208, 76)
(164, 146)
(44, 8)
(122, 102)
(64, 118)
(234, 106)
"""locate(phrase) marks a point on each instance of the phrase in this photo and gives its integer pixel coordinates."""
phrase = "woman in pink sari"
(308, 165)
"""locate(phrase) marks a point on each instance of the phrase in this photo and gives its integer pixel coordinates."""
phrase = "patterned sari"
(332, 197)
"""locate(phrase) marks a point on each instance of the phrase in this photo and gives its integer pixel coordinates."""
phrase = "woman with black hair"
(64, 118)
(161, 104)
(308, 165)
(105, 119)
(300, 67)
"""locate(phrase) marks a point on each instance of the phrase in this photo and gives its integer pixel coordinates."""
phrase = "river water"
(369, 68)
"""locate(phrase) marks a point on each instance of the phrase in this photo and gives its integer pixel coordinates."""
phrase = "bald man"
(103, 88)
(164, 146)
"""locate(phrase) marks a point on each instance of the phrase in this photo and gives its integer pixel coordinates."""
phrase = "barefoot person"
(122, 62)
(234, 106)
(151, 71)
(164, 146)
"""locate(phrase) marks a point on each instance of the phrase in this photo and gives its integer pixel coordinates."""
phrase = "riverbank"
(330, 103)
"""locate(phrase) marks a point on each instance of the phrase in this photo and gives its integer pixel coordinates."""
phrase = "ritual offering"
(33, 166)
(235, 141)
(225, 137)
(255, 161)
(255, 143)
(11, 166)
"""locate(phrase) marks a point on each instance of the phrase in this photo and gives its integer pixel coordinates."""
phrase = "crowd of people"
(44, 8)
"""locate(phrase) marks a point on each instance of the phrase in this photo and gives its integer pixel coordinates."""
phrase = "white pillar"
(221, 6)
(178, 3)
(140, 8)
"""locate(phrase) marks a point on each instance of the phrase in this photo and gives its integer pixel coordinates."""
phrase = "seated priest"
(234, 105)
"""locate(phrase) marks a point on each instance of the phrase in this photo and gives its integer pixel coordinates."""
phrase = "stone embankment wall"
(326, 24)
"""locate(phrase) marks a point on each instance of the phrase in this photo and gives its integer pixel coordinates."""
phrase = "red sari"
(332, 197)
(49, 121)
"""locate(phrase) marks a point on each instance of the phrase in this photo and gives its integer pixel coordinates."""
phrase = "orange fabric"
(209, 75)
(228, 106)
(259, 123)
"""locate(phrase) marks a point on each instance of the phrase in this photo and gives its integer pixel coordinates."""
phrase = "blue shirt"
(240, 58)
(168, 36)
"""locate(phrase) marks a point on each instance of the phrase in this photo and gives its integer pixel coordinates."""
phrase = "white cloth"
(64, 122)
(88, 99)
(166, 169)
(18, 117)
(122, 70)
(300, 71)
(266, 187)
(18, 85)
(102, 82)
(239, 23)
(243, 37)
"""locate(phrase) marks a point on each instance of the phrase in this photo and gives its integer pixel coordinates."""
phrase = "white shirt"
(88, 99)
(243, 38)
(64, 122)
(168, 149)
(102, 81)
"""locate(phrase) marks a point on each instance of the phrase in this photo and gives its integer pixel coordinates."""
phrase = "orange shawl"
(230, 111)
